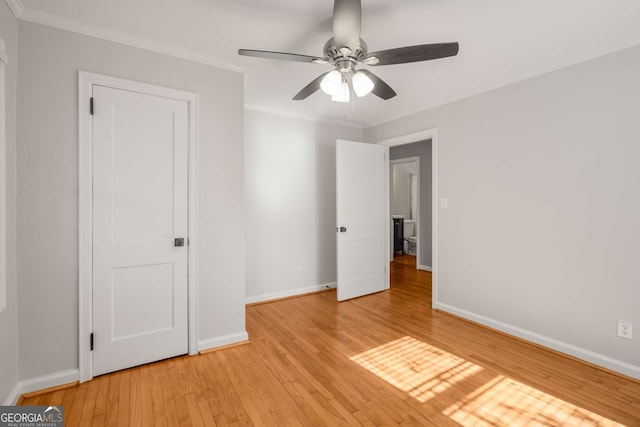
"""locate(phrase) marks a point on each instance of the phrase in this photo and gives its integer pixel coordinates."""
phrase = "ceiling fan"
(345, 51)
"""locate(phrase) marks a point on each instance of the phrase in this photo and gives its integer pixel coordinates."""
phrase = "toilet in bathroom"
(410, 237)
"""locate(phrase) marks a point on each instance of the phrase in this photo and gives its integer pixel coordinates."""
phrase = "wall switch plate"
(444, 203)
(299, 270)
(625, 329)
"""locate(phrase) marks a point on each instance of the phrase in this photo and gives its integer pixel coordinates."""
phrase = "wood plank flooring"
(385, 359)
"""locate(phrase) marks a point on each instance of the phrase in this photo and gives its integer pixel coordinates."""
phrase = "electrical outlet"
(299, 270)
(625, 329)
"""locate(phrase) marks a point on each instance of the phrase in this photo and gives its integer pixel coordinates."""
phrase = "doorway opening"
(403, 150)
(404, 201)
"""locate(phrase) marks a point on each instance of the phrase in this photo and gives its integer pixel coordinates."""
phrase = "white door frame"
(416, 220)
(85, 186)
(431, 134)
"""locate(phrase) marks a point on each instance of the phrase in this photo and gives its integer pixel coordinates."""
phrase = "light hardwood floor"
(384, 359)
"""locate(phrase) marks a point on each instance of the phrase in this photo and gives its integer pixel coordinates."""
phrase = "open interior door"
(361, 188)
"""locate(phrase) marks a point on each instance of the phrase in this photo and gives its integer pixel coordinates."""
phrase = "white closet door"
(140, 209)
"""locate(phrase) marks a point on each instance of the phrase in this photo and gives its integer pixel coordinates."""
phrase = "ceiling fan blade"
(347, 20)
(283, 56)
(310, 89)
(380, 88)
(403, 55)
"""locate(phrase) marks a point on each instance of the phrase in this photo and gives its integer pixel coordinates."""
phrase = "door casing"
(86, 81)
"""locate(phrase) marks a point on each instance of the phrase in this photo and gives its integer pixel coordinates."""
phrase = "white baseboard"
(222, 341)
(572, 350)
(424, 267)
(41, 383)
(13, 397)
(289, 293)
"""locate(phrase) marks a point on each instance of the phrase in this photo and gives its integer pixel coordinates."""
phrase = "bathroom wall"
(400, 190)
(423, 150)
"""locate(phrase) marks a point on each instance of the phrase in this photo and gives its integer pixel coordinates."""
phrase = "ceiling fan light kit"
(362, 84)
(331, 82)
(336, 84)
(346, 50)
(342, 94)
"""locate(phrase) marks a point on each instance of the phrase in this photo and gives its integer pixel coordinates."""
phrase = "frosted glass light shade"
(342, 94)
(362, 84)
(331, 82)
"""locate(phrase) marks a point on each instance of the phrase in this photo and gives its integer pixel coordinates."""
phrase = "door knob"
(343, 229)
(178, 241)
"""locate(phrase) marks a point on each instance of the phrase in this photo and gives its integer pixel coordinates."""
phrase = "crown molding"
(16, 7)
(117, 37)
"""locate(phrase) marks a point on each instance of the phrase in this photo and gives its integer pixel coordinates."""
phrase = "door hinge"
(91, 105)
(91, 342)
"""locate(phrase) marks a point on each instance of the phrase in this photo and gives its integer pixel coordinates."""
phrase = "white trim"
(434, 217)
(85, 82)
(290, 293)
(424, 135)
(13, 396)
(192, 231)
(123, 38)
(408, 139)
(572, 350)
(275, 112)
(16, 7)
(222, 341)
(424, 267)
(387, 229)
(41, 383)
(85, 219)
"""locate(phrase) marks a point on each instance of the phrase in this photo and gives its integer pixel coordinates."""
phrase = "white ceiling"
(501, 41)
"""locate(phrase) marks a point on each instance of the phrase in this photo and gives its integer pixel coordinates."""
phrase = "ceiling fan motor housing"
(337, 54)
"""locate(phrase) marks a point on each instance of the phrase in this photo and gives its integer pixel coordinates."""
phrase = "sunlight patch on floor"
(415, 367)
(506, 402)
(423, 371)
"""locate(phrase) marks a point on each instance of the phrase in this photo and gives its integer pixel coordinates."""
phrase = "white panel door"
(361, 230)
(140, 208)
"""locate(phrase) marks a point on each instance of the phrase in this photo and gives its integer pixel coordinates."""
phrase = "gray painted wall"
(291, 203)
(542, 228)
(47, 203)
(9, 317)
(423, 150)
